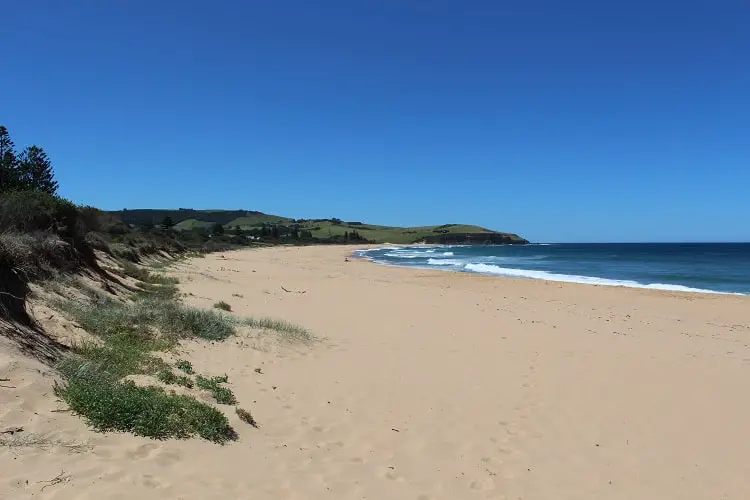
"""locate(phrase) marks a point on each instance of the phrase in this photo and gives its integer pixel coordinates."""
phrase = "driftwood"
(293, 291)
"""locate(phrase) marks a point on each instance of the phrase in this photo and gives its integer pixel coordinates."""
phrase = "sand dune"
(426, 385)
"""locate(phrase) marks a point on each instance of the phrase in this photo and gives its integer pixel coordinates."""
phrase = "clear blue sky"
(562, 121)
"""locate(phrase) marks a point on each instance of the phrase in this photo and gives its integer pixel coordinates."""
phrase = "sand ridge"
(427, 385)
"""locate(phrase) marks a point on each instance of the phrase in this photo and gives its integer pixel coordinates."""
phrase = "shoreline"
(563, 278)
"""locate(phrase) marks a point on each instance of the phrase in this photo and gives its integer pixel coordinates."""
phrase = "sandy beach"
(425, 385)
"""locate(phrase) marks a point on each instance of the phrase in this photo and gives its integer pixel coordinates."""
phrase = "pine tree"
(35, 170)
(8, 162)
(167, 223)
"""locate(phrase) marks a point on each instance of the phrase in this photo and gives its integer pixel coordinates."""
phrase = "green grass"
(121, 357)
(223, 306)
(128, 335)
(189, 224)
(109, 404)
(221, 394)
(169, 378)
(185, 366)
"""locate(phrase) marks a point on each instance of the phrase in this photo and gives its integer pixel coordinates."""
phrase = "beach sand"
(426, 385)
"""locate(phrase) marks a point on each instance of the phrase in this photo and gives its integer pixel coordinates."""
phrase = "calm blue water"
(697, 267)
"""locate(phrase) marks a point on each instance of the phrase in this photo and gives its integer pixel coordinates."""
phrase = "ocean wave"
(368, 250)
(445, 262)
(571, 278)
(447, 254)
(402, 255)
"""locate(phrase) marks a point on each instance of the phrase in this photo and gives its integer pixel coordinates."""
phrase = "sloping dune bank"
(433, 385)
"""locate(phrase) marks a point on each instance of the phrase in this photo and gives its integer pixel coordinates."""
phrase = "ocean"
(689, 267)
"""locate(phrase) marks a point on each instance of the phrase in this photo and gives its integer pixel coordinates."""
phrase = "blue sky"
(561, 121)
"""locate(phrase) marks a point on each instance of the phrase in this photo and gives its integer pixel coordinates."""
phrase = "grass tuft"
(246, 416)
(223, 306)
(169, 378)
(221, 394)
(290, 331)
(185, 366)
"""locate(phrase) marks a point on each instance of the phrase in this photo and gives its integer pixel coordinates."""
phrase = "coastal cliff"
(475, 239)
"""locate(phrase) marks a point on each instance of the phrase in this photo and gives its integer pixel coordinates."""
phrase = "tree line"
(29, 170)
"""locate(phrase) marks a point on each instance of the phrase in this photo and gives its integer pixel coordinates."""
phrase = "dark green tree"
(217, 229)
(8, 162)
(167, 222)
(275, 232)
(237, 231)
(35, 169)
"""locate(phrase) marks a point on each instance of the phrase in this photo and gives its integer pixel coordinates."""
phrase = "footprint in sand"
(142, 451)
(395, 476)
(150, 481)
(483, 484)
(168, 458)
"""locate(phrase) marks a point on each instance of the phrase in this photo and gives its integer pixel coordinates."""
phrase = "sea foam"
(571, 278)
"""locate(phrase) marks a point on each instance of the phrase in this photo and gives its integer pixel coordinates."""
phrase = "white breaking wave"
(571, 278)
(447, 254)
(402, 255)
(445, 262)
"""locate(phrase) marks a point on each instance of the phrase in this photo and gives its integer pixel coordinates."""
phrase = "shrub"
(28, 211)
(223, 306)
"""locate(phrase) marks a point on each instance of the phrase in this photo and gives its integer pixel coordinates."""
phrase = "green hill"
(187, 218)
(323, 229)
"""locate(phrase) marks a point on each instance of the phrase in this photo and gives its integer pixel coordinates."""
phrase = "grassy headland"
(266, 227)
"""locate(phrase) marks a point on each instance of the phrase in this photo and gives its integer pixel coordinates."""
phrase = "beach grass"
(223, 306)
(127, 334)
(288, 331)
(111, 404)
